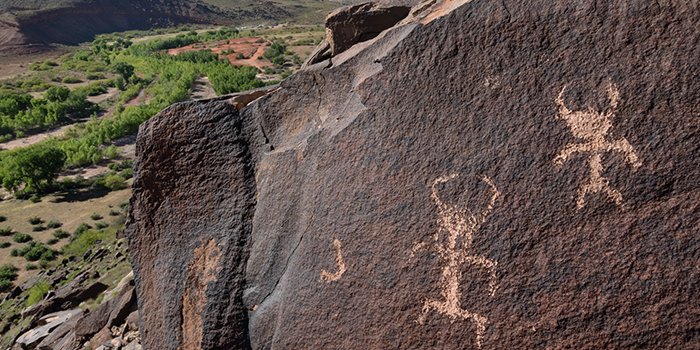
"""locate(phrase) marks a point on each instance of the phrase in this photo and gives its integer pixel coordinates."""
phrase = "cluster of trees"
(20, 113)
(275, 53)
(167, 80)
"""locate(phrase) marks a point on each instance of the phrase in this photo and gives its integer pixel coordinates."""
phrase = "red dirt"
(251, 48)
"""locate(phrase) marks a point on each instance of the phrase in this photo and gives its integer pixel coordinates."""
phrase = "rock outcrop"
(483, 174)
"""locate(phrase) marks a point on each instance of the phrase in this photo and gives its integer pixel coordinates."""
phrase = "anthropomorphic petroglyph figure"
(459, 226)
(592, 127)
(332, 277)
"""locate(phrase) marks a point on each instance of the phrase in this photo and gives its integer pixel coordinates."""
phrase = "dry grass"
(70, 211)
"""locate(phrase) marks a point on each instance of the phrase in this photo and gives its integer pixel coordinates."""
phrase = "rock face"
(482, 175)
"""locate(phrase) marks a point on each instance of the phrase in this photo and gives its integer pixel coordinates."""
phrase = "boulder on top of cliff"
(349, 25)
(484, 174)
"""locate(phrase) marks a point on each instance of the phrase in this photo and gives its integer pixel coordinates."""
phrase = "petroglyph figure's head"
(589, 124)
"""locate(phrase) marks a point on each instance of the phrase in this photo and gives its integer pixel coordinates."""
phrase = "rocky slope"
(31, 25)
(511, 175)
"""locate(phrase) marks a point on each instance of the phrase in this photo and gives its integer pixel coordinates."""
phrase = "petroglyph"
(332, 277)
(459, 226)
(201, 271)
(592, 127)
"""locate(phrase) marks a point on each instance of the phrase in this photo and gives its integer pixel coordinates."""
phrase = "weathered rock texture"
(485, 174)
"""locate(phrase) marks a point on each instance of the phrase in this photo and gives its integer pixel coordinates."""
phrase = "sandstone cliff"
(483, 174)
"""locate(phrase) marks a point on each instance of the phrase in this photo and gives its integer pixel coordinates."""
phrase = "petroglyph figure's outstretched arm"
(623, 146)
(489, 207)
(614, 96)
(570, 149)
(563, 110)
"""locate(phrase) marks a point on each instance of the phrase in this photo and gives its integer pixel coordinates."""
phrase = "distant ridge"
(34, 24)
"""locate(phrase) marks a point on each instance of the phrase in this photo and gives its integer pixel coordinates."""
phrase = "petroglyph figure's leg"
(331, 277)
(490, 266)
(623, 146)
(597, 183)
(480, 323)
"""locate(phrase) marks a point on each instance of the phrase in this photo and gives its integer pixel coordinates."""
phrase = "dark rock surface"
(511, 175)
(350, 25)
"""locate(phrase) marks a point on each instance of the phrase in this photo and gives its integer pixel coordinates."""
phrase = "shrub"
(35, 220)
(4, 245)
(114, 182)
(61, 234)
(37, 292)
(14, 252)
(52, 241)
(82, 228)
(21, 237)
(114, 213)
(39, 228)
(3, 218)
(54, 224)
(30, 267)
(95, 76)
(8, 273)
(101, 225)
(72, 80)
(6, 231)
(35, 251)
(96, 216)
(35, 198)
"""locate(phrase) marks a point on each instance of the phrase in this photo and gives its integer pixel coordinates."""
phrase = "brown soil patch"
(251, 48)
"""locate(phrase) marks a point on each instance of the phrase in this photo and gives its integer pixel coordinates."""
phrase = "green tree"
(31, 168)
(124, 69)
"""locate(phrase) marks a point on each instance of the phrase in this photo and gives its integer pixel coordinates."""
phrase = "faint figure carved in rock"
(201, 271)
(592, 127)
(459, 226)
(332, 277)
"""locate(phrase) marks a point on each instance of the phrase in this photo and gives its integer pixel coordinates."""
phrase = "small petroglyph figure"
(332, 277)
(459, 226)
(592, 127)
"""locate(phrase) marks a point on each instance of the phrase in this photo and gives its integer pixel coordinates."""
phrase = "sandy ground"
(30, 140)
(251, 48)
(111, 92)
(140, 99)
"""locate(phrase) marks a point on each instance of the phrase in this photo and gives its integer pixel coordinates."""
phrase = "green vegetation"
(32, 168)
(36, 293)
(96, 216)
(8, 273)
(34, 251)
(86, 240)
(4, 245)
(6, 231)
(21, 237)
(53, 224)
(61, 234)
(35, 220)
